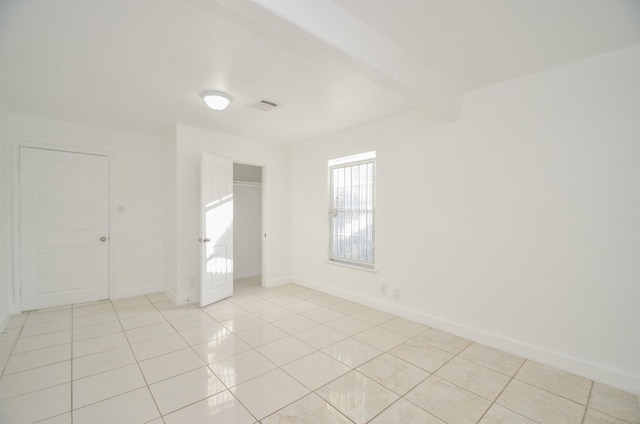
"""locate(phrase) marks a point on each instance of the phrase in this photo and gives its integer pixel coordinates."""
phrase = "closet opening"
(247, 223)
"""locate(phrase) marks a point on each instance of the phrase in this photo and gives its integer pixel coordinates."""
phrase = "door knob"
(103, 238)
(204, 240)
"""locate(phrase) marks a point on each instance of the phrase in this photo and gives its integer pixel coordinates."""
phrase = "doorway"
(247, 218)
(63, 227)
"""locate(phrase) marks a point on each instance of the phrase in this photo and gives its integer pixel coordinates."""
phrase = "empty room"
(320, 211)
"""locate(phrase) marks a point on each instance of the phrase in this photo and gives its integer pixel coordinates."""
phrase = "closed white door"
(216, 281)
(63, 228)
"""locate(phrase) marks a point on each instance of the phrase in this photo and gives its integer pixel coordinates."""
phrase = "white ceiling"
(140, 65)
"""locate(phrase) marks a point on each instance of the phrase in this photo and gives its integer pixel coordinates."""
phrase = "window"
(351, 209)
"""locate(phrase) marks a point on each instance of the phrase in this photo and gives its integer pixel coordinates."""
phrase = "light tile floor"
(282, 355)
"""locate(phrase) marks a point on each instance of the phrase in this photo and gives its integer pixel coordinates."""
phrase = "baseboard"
(119, 294)
(278, 282)
(184, 300)
(572, 364)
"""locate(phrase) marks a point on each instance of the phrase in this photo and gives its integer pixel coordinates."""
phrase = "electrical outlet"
(383, 289)
(396, 294)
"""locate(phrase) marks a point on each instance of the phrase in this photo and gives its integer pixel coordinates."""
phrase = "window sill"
(352, 266)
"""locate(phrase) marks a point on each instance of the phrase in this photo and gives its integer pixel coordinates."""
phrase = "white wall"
(276, 160)
(136, 206)
(247, 224)
(516, 226)
(6, 292)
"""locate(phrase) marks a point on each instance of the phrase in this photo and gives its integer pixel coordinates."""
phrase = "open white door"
(64, 227)
(216, 280)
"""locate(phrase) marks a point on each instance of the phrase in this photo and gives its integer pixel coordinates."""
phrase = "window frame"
(345, 162)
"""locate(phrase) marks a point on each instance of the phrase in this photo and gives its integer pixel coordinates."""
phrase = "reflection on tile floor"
(281, 355)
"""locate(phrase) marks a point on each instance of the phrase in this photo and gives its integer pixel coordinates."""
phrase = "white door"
(216, 281)
(63, 228)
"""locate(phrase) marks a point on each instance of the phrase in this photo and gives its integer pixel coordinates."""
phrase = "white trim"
(120, 294)
(360, 157)
(597, 372)
(247, 184)
(278, 282)
(16, 145)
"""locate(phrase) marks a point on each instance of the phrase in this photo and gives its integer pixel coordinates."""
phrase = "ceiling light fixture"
(216, 100)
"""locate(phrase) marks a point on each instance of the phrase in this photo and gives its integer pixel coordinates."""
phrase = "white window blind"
(351, 211)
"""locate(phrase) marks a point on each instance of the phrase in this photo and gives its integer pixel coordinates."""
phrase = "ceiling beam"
(324, 25)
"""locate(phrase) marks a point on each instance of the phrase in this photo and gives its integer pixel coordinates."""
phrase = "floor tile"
(220, 408)
(136, 311)
(494, 359)
(596, 417)
(448, 402)
(50, 402)
(499, 415)
(561, 383)
(204, 334)
(302, 306)
(130, 408)
(106, 385)
(540, 405)
(24, 382)
(10, 334)
(261, 335)
(285, 350)
(99, 344)
(158, 346)
(320, 336)
(393, 373)
(157, 297)
(373, 316)
(283, 300)
(93, 309)
(347, 307)
(404, 327)
(28, 344)
(324, 299)
(615, 403)
(96, 330)
(274, 314)
(130, 302)
(260, 396)
(94, 319)
(357, 396)
(241, 367)
(185, 389)
(140, 334)
(475, 378)
(421, 354)
(86, 366)
(349, 325)
(380, 338)
(316, 370)
(48, 315)
(194, 321)
(352, 352)
(221, 348)
(444, 341)
(38, 358)
(170, 364)
(403, 412)
(46, 328)
(309, 409)
(295, 324)
(323, 315)
(243, 322)
(228, 313)
(58, 419)
(142, 320)
(6, 348)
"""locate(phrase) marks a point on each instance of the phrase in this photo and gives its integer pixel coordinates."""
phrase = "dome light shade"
(216, 100)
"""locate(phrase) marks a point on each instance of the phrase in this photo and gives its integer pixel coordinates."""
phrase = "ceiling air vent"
(264, 105)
